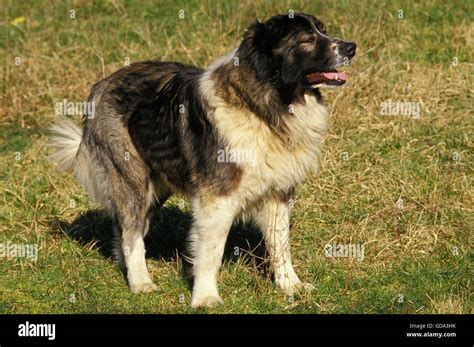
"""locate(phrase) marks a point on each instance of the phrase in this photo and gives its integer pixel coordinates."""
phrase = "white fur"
(211, 225)
(137, 273)
(66, 141)
(274, 219)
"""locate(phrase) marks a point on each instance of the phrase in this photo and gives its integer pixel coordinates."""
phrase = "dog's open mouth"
(331, 78)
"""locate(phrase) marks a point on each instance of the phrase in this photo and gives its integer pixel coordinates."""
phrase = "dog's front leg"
(211, 225)
(274, 220)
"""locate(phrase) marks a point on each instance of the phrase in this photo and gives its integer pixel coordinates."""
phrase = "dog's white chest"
(268, 162)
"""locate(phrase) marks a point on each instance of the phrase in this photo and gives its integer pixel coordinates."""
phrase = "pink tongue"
(334, 75)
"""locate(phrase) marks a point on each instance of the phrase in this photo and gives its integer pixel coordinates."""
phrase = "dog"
(161, 128)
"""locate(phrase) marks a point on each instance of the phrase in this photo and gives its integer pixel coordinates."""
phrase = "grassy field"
(399, 185)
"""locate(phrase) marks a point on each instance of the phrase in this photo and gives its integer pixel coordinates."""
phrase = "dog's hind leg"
(128, 194)
(119, 179)
(133, 218)
(133, 248)
(274, 220)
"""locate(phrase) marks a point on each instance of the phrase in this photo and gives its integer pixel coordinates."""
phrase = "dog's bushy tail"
(65, 141)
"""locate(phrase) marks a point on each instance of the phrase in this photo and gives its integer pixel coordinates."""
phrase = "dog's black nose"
(350, 48)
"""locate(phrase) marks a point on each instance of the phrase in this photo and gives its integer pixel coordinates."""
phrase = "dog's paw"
(146, 287)
(303, 287)
(206, 302)
(297, 288)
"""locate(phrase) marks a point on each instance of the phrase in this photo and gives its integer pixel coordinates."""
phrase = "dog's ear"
(253, 29)
(254, 48)
(257, 33)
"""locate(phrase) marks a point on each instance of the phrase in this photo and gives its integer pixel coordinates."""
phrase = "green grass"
(421, 253)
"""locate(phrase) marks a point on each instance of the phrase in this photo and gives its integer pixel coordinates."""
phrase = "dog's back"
(134, 130)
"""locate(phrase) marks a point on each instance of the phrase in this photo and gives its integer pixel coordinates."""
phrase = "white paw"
(146, 287)
(206, 302)
(290, 288)
(303, 287)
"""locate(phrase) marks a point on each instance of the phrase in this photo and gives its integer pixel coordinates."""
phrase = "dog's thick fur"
(158, 128)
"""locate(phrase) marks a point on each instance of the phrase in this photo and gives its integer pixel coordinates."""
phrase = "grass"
(417, 259)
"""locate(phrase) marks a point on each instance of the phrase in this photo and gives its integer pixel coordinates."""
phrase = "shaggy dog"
(237, 138)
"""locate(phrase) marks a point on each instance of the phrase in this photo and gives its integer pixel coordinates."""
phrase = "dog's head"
(295, 51)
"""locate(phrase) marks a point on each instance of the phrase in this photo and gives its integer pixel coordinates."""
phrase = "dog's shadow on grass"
(166, 239)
